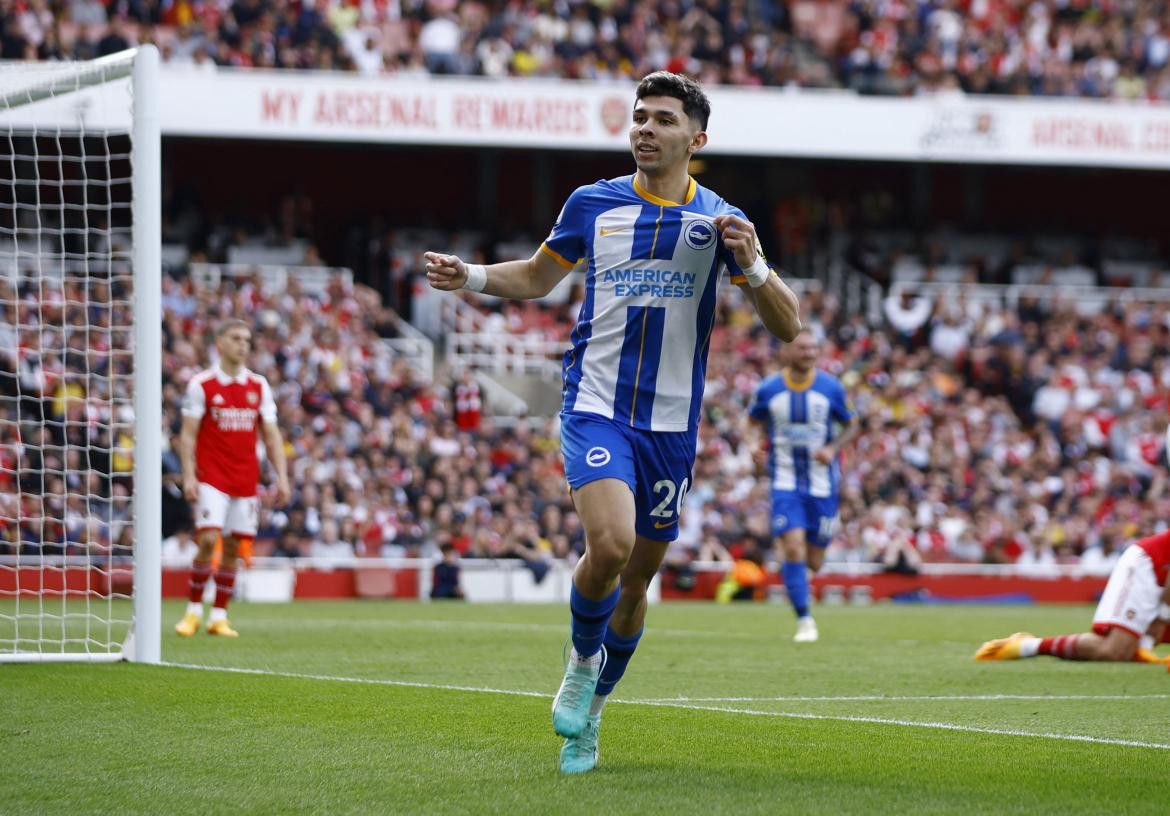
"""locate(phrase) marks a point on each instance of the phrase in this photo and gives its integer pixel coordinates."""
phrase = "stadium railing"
(274, 277)
(413, 346)
(507, 353)
(1089, 299)
(502, 402)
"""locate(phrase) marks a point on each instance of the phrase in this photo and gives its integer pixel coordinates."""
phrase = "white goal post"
(80, 360)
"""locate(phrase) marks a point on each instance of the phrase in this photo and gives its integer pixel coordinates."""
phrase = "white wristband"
(1164, 612)
(757, 274)
(476, 277)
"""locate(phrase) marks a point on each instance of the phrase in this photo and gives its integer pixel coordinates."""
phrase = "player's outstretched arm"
(518, 280)
(777, 305)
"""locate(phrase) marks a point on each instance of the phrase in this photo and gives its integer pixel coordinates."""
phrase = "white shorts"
(231, 515)
(1131, 598)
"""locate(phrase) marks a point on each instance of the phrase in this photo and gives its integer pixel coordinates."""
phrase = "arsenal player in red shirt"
(221, 412)
(1131, 616)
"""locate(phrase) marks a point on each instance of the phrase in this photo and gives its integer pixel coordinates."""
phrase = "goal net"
(80, 379)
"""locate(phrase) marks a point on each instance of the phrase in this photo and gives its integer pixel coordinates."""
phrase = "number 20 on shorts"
(668, 490)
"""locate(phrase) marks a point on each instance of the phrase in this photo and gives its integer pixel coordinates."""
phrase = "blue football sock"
(795, 574)
(590, 619)
(618, 651)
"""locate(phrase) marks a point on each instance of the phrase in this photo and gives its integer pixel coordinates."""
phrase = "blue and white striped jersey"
(800, 419)
(639, 349)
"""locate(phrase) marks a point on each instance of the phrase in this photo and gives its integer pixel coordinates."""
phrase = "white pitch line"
(1007, 732)
(880, 698)
(359, 680)
(688, 707)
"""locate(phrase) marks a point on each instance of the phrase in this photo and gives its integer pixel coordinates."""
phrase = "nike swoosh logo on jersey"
(611, 230)
(662, 525)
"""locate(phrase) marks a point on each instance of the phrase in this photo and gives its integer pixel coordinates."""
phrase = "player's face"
(805, 350)
(662, 135)
(234, 345)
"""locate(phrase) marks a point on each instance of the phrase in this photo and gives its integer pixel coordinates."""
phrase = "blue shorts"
(799, 511)
(655, 464)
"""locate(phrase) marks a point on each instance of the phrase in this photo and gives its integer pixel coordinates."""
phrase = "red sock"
(199, 575)
(1064, 647)
(225, 583)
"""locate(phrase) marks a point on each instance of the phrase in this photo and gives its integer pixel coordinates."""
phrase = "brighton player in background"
(654, 245)
(1131, 616)
(800, 409)
(221, 411)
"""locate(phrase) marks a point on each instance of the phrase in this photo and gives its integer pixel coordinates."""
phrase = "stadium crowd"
(1028, 435)
(1092, 48)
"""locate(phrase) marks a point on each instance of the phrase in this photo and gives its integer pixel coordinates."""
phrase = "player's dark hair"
(227, 325)
(695, 103)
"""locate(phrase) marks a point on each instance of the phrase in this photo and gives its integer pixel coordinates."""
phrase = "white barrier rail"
(273, 277)
(508, 353)
(1088, 299)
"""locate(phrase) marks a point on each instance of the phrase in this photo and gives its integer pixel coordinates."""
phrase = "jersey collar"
(222, 377)
(803, 385)
(662, 202)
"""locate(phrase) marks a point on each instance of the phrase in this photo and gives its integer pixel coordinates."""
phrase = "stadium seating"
(1011, 425)
(1091, 49)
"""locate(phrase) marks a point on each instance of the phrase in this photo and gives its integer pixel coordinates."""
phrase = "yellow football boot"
(222, 628)
(189, 625)
(1148, 656)
(1007, 648)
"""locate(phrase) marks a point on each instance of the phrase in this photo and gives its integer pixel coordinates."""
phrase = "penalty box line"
(794, 715)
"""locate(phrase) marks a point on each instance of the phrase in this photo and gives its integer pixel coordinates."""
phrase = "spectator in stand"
(446, 575)
(467, 400)
(907, 315)
(330, 544)
(1094, 49)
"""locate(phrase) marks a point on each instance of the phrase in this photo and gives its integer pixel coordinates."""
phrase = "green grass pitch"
(396, 707)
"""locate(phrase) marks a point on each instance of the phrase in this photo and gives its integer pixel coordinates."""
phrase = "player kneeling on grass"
(1130, 618)
(221, 412)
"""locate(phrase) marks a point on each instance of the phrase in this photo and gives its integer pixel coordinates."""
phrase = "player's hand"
(445, 272)
(760, 457)
(739, 236)
(283, 493)
(1157, 630)
(191, 489)
(825, 455)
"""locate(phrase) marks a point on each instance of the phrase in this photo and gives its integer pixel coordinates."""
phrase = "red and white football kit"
(226, 464)
(1133, 594)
